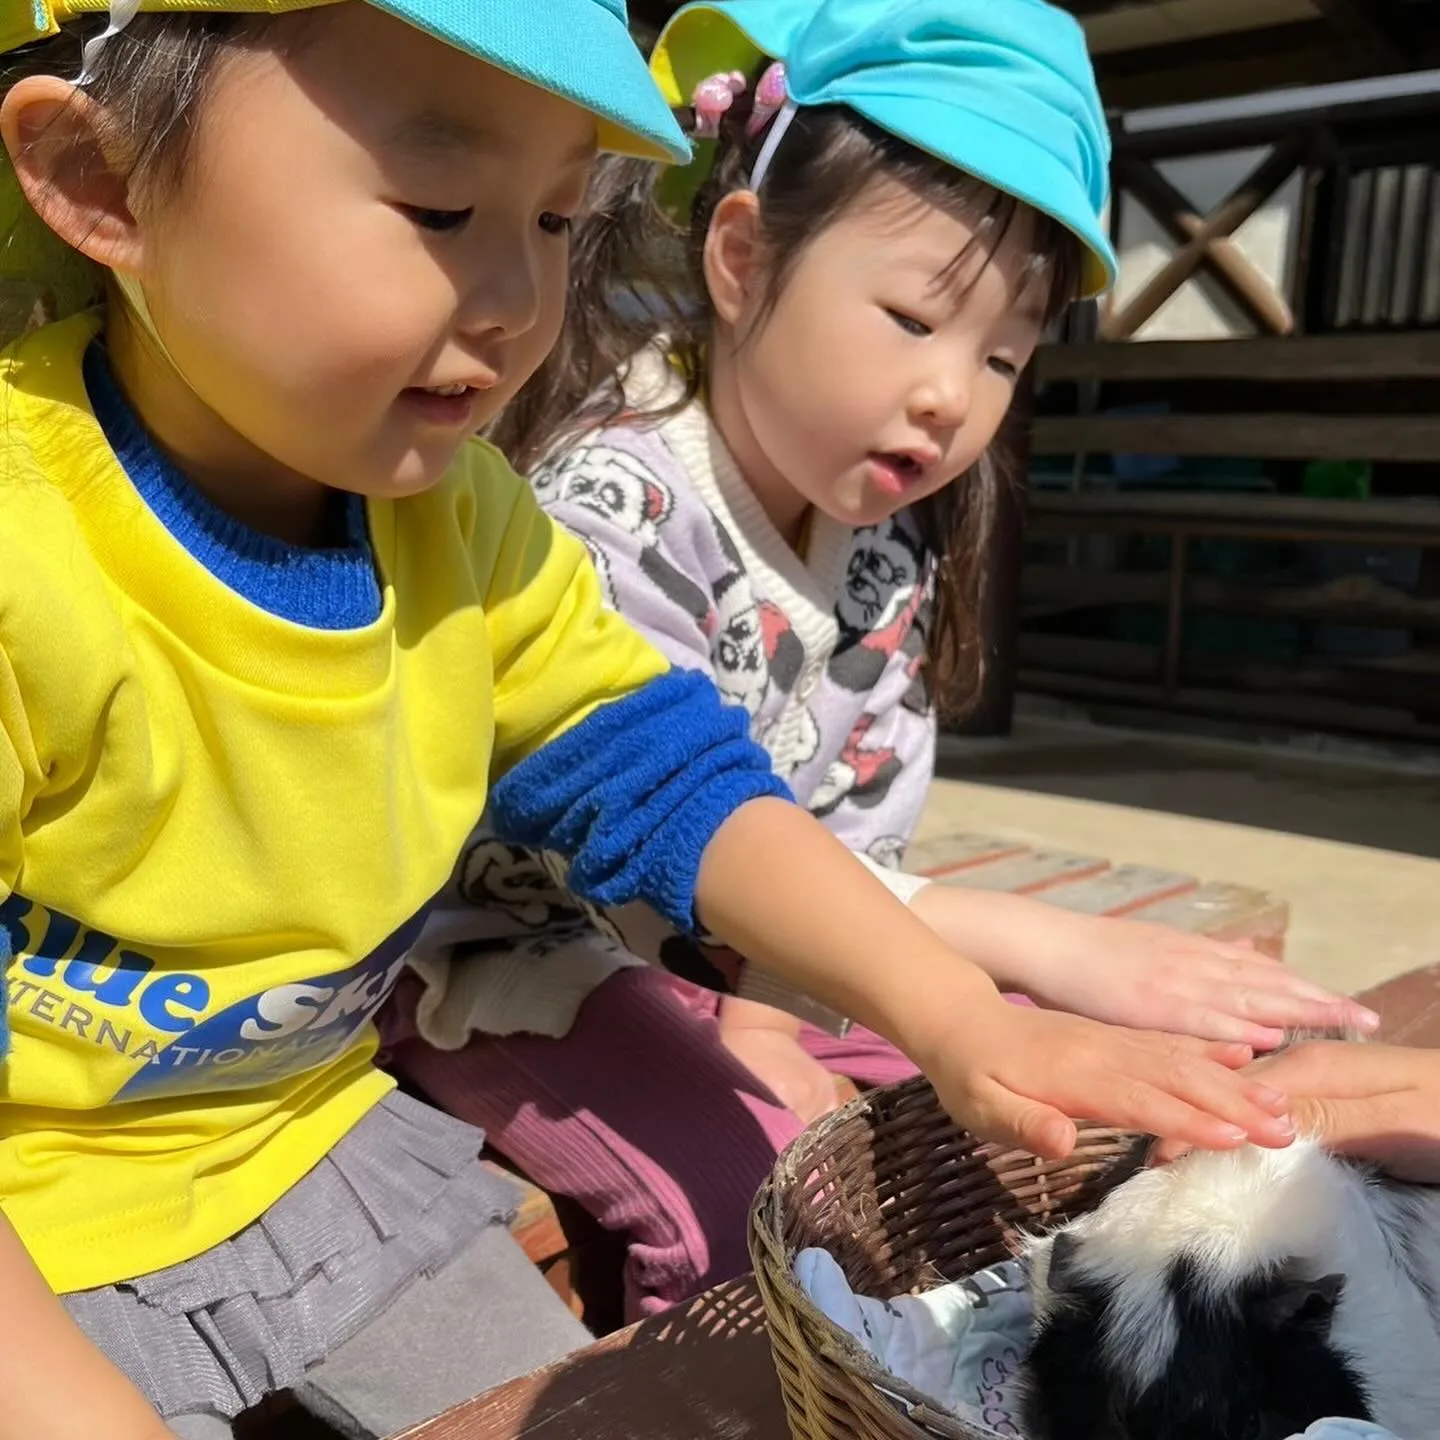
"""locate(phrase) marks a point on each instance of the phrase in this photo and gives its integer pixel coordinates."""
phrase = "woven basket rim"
(840, 1347)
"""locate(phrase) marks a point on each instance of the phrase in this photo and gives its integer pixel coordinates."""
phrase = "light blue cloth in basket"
(1345, 1430)
(962, 1345)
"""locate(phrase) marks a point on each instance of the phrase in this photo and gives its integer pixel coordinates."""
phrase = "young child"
(789, 493)
(273, 632)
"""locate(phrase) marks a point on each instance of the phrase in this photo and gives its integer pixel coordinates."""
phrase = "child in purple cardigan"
(788, 490)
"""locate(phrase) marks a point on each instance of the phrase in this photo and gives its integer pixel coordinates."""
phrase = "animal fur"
(1239, 1296)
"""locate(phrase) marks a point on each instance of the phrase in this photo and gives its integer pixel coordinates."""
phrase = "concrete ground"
(1351, 838)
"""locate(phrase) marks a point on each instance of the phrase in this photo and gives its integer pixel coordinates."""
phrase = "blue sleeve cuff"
(633, 795)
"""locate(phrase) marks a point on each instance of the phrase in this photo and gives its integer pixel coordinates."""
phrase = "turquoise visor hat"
(580, 50)
(1001, 89)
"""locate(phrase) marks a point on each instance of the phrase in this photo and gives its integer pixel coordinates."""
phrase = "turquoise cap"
(581, 50)
(1001, 89)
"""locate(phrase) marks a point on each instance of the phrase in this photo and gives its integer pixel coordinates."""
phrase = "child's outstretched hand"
(1014, 1075)
(1129, 973)
(1010, 1073)
(1152, 977)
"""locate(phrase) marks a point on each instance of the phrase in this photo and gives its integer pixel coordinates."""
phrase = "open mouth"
(895, 471)
(448, 406)
(905, 466)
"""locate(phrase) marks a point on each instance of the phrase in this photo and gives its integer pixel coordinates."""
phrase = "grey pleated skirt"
(401, 1195)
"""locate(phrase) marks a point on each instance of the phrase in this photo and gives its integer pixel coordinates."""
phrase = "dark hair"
(150, 81)
(638, 276)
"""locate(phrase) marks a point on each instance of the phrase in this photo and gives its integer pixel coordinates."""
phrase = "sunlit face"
(884, 369)
(367, 256)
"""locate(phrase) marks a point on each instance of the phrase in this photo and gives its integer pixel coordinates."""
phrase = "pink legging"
(640, 1114)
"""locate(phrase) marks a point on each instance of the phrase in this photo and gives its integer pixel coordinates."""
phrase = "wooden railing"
(1394, 695)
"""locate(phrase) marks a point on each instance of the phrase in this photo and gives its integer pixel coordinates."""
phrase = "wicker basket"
(904, 1200)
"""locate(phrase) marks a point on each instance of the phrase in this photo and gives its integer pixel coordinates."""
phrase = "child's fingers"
(1266, 977)
(1361, 1017)
(1220, 1025)
(1171, 1116)
(1258, 989)
(1176, 1086)
(1243, 951)
(1232, 1054)
(1314, 1014)
(1228, 1035)
(1284, 1009)
(1338, 1071)
(1165, 1093)
(1044, 1131)
(1010, 1119)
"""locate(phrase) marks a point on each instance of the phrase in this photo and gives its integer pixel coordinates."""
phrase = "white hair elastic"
(122, 12)
(778, 127)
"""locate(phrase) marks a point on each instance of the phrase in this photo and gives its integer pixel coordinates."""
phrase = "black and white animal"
(1238, 1296)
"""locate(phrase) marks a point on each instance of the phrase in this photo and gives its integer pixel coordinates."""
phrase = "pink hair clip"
(712, 97)
(770, 98)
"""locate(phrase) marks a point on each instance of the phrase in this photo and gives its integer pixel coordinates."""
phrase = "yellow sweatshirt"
(219, 828)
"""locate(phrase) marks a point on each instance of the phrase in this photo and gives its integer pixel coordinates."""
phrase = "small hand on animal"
(1014, 1075)
(1155, 978)
(1126, 972)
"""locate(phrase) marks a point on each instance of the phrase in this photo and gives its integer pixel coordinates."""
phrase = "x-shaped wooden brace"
(1205, 240)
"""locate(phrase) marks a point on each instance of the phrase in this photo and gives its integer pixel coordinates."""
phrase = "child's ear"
(57, 145)
(734, 263)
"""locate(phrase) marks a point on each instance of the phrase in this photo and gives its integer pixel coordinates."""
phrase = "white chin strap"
(778, 126)
(135, 302)
(122, 12)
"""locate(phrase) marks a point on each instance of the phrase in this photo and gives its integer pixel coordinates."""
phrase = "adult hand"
(1379, 1103)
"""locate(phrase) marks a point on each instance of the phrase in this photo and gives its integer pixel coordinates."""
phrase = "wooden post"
(1175, 615)
(994, 712)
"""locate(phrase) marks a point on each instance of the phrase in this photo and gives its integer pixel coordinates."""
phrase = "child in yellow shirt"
(274, 630)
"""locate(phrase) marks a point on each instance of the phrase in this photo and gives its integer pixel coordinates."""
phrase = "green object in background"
(1337, 480)
(679, 184)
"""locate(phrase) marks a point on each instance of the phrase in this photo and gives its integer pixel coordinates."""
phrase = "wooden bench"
(582, 1262)
(702, 1372)
(1409, 1007)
